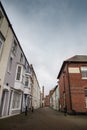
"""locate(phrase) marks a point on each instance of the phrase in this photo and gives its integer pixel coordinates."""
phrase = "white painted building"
(54, 98)
(35, 90)
(15, 73)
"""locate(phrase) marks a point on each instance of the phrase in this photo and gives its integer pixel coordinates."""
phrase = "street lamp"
(25, 104)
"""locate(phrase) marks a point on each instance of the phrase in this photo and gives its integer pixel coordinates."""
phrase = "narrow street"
(44, 119)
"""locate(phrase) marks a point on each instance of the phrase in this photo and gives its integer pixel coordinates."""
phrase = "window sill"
(84, 78)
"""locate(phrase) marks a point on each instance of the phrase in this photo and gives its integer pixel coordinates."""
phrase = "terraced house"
(73, 85)
(19, 87)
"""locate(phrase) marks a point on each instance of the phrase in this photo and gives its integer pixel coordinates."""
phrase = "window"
(1, 42)
(1, 17)
(14, 47)
(22, 78)
(21, 58)
(84, 72)
(10, 64)
(86, 101)
(19, 69)
(16, 100)
(85, 97)
(26, 81)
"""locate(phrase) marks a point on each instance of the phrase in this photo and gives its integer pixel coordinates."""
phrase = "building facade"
(54, 98)
(43, 98)
(73, 85)
(35, 90)
(47, 101)
(16, 84)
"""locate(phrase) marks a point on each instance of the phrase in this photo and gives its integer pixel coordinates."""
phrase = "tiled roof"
(78, 58)
(74, 59)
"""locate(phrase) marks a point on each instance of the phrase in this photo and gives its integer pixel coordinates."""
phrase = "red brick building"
(73, 84)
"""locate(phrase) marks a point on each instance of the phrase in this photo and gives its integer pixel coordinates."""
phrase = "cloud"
(49, 31)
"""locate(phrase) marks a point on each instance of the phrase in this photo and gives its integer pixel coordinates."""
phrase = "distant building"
(51, 98)
(43, 96)
(73, 84)
(54, 98)
(35, 90)
(47, 101)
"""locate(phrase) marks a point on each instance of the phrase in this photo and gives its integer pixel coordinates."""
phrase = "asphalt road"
(44, 119)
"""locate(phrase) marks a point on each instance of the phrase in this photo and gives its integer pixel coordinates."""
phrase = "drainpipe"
(64, 89)
(69, 88)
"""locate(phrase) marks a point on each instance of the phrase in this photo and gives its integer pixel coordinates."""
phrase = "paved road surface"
(44, 119)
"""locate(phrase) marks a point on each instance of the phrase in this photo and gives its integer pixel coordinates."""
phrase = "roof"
(78, 58)
(74, 59)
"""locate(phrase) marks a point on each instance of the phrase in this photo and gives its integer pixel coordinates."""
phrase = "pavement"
(44, 119)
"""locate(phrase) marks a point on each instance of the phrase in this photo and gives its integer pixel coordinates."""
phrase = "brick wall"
(74, 97)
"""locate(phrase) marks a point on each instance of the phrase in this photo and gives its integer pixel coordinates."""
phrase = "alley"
(44, 119)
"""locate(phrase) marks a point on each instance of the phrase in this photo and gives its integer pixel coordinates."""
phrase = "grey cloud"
(50, 32)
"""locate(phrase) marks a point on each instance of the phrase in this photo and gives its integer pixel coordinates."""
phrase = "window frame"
(86, 101)
(21, 57)
(1, 17)
(20, 73)
(14, 47)
(16, 100)
(26, 81)
(2, 39)
(85, 92)
(10, 64)
(84, 72)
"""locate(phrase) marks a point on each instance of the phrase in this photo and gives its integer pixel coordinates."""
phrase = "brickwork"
(73, 86)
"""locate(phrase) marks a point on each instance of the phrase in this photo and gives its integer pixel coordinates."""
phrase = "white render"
(35, 90)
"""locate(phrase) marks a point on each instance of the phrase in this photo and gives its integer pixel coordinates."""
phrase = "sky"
(49, 31)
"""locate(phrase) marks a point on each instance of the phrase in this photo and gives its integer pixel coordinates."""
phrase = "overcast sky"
(49, 31)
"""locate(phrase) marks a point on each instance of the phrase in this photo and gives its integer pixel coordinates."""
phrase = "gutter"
(69, 87)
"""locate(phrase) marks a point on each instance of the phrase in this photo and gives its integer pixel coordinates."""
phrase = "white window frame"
(20, 73)
(16, 100)
(84, 69)
(26, 81)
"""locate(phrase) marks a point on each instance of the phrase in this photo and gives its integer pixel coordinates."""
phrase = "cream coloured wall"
(8, 35)
(5, 54)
